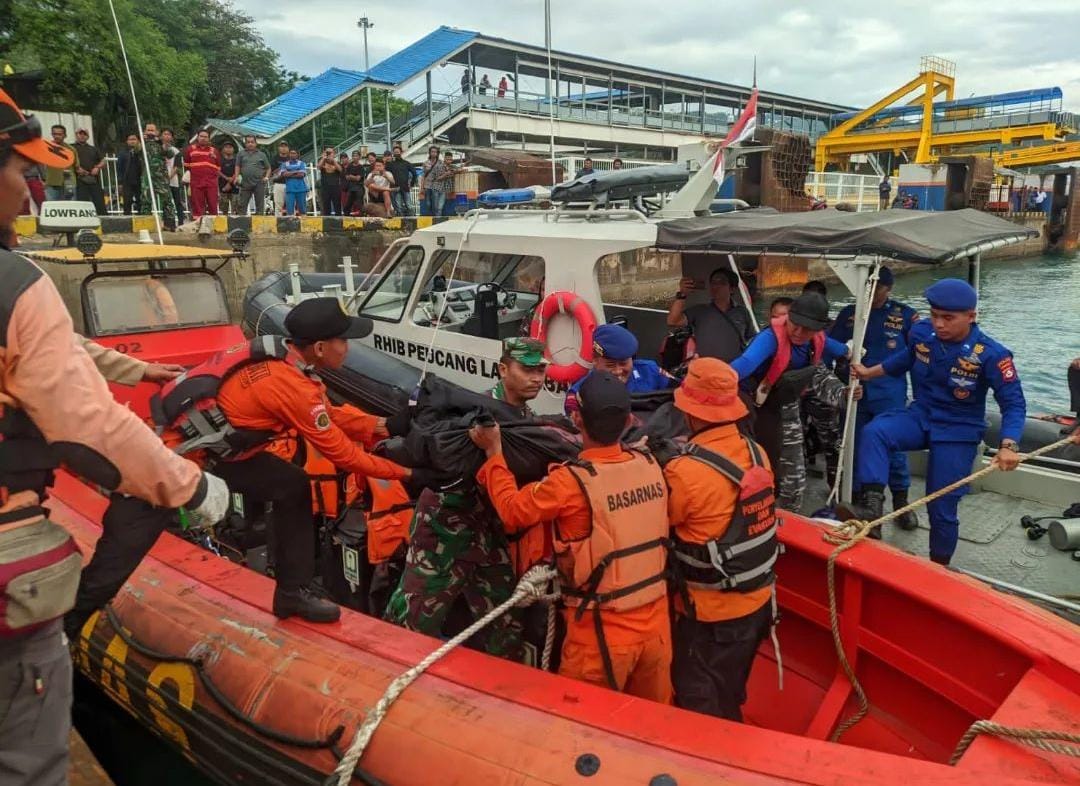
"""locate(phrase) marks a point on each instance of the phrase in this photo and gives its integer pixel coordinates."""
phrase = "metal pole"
(863, 295)
(430, 110)
(389, 143)
(366, 24)
(551, 103)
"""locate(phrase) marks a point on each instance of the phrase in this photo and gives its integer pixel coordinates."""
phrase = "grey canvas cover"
(910, 235)
(622, 184)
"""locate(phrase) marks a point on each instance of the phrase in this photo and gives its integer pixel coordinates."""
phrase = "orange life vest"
(388, 520)
(332, 492)
(621, 564)
(782, 358)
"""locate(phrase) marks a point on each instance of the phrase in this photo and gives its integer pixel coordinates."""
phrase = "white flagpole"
(138, 120)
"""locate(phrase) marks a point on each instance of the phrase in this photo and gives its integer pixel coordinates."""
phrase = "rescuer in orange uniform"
(609, 509)
(285, 397)
(722, 510)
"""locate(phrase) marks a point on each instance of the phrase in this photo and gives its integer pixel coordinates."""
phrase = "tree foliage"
(189, 60)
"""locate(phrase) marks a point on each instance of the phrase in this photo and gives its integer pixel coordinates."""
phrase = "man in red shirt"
(204, 164)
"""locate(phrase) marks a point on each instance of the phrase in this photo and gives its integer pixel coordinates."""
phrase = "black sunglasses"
(26, 130)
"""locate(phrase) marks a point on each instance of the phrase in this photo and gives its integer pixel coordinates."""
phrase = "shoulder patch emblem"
(1007, 369)
(320, 417)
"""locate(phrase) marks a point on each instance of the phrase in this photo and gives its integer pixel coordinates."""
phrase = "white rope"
(532, 588)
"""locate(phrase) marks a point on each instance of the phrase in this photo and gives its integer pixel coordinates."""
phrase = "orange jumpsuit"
(275, 395)
(639, 640)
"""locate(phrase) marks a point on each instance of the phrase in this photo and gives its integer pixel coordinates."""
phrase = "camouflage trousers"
(457, 548)
(791, 477)
(821, 431)
(165, 203)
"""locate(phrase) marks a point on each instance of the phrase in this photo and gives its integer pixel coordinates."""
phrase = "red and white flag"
(743, 129)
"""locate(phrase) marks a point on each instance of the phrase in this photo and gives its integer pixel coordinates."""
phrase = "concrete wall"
(314, 252)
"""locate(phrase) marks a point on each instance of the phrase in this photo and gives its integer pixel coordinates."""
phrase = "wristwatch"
(680, 296)
(1009, 444)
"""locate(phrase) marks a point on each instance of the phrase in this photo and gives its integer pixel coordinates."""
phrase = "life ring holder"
(573, 305)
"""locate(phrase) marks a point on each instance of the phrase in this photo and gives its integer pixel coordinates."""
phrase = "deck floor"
(992, 542)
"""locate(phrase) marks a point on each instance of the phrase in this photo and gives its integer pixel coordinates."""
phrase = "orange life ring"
(575, 306)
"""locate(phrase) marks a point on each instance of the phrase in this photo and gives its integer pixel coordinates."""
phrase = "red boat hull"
(934, 650)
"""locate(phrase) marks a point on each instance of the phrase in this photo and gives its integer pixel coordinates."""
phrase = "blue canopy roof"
(286, 110)
(416, 58)
(334, 85)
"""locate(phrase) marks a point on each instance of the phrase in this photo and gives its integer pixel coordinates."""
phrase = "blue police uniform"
(949, 381)
(887, 330)
(617, 343)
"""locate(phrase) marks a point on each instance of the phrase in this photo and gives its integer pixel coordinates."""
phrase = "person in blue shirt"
(295, 173)
(887, 330)
(774, 370)
(953, 365)
(614, 348)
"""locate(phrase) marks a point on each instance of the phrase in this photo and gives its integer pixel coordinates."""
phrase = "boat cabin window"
(116, 304)
(388, 298)
(480, 293)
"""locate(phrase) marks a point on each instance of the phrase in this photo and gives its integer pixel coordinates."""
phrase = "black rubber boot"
(305, 604)
(909, 520)
(832, 462)
(868, 507)
(939, 559)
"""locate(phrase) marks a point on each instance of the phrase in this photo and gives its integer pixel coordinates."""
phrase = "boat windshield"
(118, 304)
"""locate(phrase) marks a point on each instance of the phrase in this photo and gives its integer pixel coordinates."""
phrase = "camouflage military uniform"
(458, 546)
(830, 392)
(158, 181)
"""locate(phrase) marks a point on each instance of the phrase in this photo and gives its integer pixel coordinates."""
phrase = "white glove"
(214, 504)
(850, 344)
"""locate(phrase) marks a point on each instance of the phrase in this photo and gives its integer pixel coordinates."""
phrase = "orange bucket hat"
(710, 392)
(23, 134)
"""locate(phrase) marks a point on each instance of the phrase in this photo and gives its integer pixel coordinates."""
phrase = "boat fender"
(576, 307)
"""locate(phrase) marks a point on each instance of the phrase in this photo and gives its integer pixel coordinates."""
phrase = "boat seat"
(1036, 702)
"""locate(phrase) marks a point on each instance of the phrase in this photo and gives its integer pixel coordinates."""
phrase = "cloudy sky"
(846, 51)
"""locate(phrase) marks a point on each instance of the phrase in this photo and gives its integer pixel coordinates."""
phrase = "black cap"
(322, 318)
(604, 403)
(810, 310)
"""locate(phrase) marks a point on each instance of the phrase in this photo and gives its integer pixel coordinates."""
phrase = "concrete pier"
(84, 769)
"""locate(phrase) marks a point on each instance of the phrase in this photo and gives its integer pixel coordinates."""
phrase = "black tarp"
(622, 184)
(910, 235)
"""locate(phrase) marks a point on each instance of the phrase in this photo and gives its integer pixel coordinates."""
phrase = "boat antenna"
(138, 121)
(551, 98)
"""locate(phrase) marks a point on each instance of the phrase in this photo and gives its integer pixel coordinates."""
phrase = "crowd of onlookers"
(204, 178)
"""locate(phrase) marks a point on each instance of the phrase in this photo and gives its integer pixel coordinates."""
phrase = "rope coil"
(846, 536)
(532, 588)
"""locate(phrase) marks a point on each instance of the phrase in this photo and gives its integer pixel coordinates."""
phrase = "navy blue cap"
(952, 294)
(885, 276)
(614, 342)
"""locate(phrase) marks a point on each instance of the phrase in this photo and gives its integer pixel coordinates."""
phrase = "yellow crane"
(1038, 155)
(921, 141)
